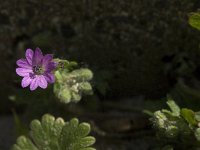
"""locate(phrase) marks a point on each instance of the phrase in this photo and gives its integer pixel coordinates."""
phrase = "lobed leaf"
(55, 134)
(23, 143)
(74, 136)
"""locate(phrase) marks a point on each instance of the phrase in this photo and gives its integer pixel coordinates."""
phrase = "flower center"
(38, 69)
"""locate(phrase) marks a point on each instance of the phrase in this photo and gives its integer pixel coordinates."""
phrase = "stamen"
(38, 69)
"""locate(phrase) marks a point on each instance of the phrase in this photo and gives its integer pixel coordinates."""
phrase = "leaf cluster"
(56, 134)
(177, 124)
(72, 83)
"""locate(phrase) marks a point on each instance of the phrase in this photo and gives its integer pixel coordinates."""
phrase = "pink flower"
(36, 69)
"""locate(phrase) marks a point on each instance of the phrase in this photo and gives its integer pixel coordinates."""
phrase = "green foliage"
(189, 116)
(56, 134)
(174, 107)
(177, 125)
(168, 122)
(194, 20)
(197, 116)
(71, 85)
(197, 134)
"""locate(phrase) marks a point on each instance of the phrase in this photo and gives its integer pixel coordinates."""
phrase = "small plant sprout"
(36, 69)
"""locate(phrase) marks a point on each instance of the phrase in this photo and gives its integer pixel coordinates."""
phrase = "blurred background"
(139, 51)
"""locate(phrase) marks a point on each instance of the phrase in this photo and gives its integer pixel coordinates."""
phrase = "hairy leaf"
(70, 86)
(55, 134)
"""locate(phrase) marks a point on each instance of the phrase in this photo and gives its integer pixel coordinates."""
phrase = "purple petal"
(37, 57)
(23, 72)
(46, 59)
(49, 77)
(23, 64)
(26, 81)
(29, 55)
(50, 66)
(42, 82)
(34, 84)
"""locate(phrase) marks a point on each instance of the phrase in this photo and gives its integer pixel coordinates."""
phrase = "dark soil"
(7, 132)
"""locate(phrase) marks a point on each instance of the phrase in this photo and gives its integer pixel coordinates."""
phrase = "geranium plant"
(70, 83)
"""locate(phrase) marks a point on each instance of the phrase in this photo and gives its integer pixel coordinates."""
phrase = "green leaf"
(166, 124)
(83, 74)
(194, 20)
(86, 88)
(65, 95)
(75, 97)
(189, 116)
(55, 134)
(74, 135)
(197, 116)
(58, 75)
(174, 107)
(24, 143)
(197, 134)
